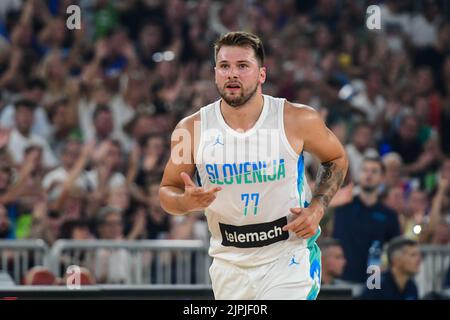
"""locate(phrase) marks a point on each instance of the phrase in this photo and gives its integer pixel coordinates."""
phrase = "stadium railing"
(135, 262)
(434, 268)
(159, 262)
(18, 256)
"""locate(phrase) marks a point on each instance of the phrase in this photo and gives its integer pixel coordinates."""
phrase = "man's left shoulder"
(302, 112)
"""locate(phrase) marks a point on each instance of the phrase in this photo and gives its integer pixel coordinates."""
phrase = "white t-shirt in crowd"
(18, 143)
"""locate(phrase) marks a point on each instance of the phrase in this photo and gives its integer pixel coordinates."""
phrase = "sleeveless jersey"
(261, 176)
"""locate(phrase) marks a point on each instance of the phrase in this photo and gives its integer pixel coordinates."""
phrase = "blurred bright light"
(417, 229)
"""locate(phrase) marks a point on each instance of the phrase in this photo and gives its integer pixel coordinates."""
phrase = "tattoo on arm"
(329, 178)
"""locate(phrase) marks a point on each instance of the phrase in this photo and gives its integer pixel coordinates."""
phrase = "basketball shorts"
(294, 276)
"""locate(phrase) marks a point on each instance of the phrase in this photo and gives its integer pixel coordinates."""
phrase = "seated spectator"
(333, 261)
(397, 282)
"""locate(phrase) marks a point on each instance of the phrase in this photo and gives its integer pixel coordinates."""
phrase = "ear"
(262, 75)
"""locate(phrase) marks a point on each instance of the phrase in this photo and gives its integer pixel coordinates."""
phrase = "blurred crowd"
(86, 114)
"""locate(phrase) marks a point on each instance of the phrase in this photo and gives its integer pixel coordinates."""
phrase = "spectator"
(103, 123)
(114, 266)
(34, 92)
(364, 222)
(333, 261)
(397, 282)
(360, 148)
(69, 155)
(370, 100)
(21, 136)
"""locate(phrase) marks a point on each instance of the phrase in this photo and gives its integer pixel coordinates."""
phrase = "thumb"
(187, 180)
(296, 211)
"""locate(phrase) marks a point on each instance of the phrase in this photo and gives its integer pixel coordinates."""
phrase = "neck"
(243, 117)
(400, 278)
(368, 198)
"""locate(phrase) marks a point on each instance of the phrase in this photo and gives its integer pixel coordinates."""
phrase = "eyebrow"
(239, 61)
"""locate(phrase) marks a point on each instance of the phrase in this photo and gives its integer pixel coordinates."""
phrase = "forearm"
(171, 199)
(330, 176)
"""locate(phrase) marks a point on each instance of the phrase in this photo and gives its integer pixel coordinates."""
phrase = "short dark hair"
(101, 108)
(35, 82)
(25, 103)
(377, 160)
(397, 244)
(241, 39)
(104, 213)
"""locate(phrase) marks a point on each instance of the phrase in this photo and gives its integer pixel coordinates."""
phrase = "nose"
(233, 72)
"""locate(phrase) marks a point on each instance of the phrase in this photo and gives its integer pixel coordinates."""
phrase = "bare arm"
(177, 193)
(436, 211)
(321, 142)
(308, 131)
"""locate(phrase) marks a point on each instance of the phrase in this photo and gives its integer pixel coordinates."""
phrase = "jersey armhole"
(283, 131)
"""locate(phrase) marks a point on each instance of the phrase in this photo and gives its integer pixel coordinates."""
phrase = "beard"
(239, 99)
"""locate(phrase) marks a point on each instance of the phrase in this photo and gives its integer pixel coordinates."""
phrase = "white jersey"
(261, 176)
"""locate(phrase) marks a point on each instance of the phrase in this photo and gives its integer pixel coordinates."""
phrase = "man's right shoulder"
(189, 121)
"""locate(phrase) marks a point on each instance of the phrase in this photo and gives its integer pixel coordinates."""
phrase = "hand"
(196, 198)
(306, 223)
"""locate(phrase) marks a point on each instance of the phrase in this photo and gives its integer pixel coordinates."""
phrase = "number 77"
(253, 197)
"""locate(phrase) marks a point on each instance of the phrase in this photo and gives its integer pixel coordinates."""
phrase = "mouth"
(233, 86)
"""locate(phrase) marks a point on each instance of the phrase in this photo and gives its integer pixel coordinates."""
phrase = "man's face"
(408, 130)
(24, 119)
(112, 227)
(334, 260)
(395, 199)
(104, 123)
(418, 201)
(238, 74)
(371, 175)
(113, 157)
(409, 260)
(361, 137)
(70, 154)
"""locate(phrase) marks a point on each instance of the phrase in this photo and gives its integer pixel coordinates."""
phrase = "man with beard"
(245, 152)
(364, 225)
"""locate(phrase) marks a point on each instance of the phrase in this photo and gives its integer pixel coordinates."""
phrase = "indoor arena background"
(100, 99)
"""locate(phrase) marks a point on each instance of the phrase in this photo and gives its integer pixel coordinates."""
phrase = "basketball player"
(263, 219)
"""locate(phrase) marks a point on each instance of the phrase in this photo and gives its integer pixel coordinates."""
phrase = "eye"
(224, 66)
(243, 66)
